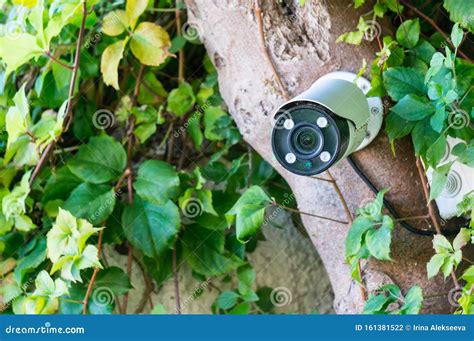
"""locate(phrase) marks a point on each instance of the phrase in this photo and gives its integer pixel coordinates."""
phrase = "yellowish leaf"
(27, 3)
(115, 23)
(150, 44)
(17, 50)
(109, 63)
(135, 8)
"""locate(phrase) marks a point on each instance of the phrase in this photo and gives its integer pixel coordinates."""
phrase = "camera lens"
(307, 140)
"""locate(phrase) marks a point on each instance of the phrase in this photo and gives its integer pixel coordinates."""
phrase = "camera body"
(326, 123)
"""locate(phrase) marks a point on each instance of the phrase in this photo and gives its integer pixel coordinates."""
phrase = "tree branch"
(94, 274)
(68, 115)
(274, 203)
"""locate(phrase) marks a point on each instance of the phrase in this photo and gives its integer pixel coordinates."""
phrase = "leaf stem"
(94, 274)
(56, 60)
(274, 203)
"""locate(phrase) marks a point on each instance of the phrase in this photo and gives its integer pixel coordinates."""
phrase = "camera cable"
(389, 206)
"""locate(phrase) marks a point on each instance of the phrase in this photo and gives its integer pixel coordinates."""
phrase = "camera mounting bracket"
(374, 123)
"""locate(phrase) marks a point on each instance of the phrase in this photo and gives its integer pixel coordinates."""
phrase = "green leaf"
(68, 236)
(115, 22)
(13, 203)
(135, 8)
(461, 12)
(110, 61)
(151, 228)
(205, 254)
(379, 239)
(250, 211)
(423, 136)
(397, 127)
(436, 151)
(244, 307)
(462, 238)
(440, 177)
(246, 275)
(31, 261)
(92, 202)
(413, 108)
(113, 278)
(227, 300)
(159, 309)
(441, 244)
(413, 301)
(435, 263)
(101, 160)
(354, 38)
(181, 99)
(157, 181)
(408, 33)
(194, 131)
(60, 184)
(150, 44)
(25, 46)
(212, 115)
(402, 81)
(359, 227)
(437, 120)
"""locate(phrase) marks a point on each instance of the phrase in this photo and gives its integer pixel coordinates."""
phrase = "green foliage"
(389, 295)
(369, 235)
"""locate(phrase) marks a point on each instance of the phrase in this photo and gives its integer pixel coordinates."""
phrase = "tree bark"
(301, 42)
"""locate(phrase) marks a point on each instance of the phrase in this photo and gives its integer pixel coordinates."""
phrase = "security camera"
(326, 123)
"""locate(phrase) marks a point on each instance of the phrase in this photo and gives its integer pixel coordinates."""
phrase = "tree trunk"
(301, 42)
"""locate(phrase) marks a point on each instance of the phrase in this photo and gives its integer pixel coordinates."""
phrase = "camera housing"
(326, 123)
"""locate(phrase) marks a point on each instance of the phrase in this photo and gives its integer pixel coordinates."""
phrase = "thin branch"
(94, 274)
(337, 189)
(435, 26)
(68, 115)
(53, 58)
(274, 203)
(431, 210)
(148, 287)
(176, 282)
(130, 129)
(258, 14)
(181, 51)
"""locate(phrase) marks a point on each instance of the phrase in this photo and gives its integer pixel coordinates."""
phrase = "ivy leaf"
(13, 204)
(408, 33)
(181, 99)
(151, 228)
(32, 260)
(45, 286)
(115, 22)
(250, 211)
(423, 136)
(71, 265)
(92, 202)
(135, 8)
(359, 227)
(227, 300)
(461, 12)
(379, 239)
(436, 151)
(440, 177)
(150, 44)
(413, 108)
(435, 263)
(461, 239)
(194, 131)
(212, 115)
(402, 81)
(437, 120)
(68, 236)
(157, 181)
(413, 301)
(205, 254)
(397, 127)
(110, 61)
(60, 185)
(115, 279)
(101, 160)
(25, 46)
